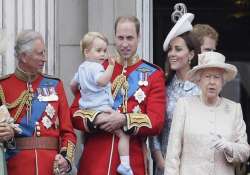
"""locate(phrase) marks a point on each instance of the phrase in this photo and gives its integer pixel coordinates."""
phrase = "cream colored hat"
(212, 60)
(183, 25)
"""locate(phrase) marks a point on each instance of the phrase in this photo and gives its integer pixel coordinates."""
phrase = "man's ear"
(23, 57)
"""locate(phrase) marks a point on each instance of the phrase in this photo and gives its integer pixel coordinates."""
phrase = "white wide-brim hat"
(183, 25)
(212, 60)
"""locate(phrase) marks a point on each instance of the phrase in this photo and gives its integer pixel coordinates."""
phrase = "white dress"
(190, 150)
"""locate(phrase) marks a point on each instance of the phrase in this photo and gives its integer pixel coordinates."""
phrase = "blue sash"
(133, 79)
(27, 124)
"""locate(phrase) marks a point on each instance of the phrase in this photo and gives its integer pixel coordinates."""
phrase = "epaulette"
(5, 77)
(152, 65)
(50, 76)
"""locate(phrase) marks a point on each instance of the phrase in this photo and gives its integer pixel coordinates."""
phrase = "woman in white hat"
(208, 134)
(182, 49)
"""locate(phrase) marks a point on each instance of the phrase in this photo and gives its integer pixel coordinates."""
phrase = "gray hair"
(25, 41)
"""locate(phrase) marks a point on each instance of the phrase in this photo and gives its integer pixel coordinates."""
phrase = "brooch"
(136, 109)
(46, 122)
(50, 111)
(139, 95)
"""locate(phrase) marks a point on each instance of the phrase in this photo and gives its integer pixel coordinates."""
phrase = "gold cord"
(24, 98)
(121, 84)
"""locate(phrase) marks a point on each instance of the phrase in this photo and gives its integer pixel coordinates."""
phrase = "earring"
(189, 61)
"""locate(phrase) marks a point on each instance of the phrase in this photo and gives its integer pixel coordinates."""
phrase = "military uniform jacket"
(148, 103)
(48, 117)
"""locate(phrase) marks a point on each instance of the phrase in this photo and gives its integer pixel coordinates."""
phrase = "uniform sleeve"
(76, 121)
(172, 162)
(241, 150)
(82, 119)
(155, 107)
(67, 135)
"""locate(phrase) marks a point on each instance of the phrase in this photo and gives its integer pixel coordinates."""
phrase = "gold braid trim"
(70, 151)
(138, 120)
(117, 84)
(121, 84)
(86, 114)
(20, 101)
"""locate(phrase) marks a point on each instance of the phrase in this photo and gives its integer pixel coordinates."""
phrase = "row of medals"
(45, 94)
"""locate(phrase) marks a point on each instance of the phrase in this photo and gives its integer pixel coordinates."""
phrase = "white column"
(51, 37)
(40, 21)
(19, 15)
(27, 14)
(9, 24)
(1, 25)
(144, 14)
(40, 17)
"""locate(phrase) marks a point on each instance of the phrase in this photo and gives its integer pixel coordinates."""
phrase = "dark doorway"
(231, 18)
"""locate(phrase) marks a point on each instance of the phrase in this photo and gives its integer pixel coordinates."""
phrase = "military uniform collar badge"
(139, 95)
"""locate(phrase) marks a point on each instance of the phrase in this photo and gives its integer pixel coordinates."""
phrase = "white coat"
(190, 148)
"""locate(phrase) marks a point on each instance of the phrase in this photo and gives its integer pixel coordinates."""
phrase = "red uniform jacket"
(98, 150)
(42, 123)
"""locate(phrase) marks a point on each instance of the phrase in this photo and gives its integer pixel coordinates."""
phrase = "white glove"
(220, 143)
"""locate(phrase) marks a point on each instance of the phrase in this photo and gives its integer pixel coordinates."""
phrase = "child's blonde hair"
(87, 40)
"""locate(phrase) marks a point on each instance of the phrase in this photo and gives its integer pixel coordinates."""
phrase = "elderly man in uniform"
(36, 102)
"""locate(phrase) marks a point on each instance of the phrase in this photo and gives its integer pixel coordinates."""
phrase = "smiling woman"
(182, 49)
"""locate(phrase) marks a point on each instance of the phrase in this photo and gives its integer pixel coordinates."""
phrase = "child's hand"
(111, 61)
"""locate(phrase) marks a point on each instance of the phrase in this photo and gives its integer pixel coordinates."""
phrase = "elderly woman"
(208, 134)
